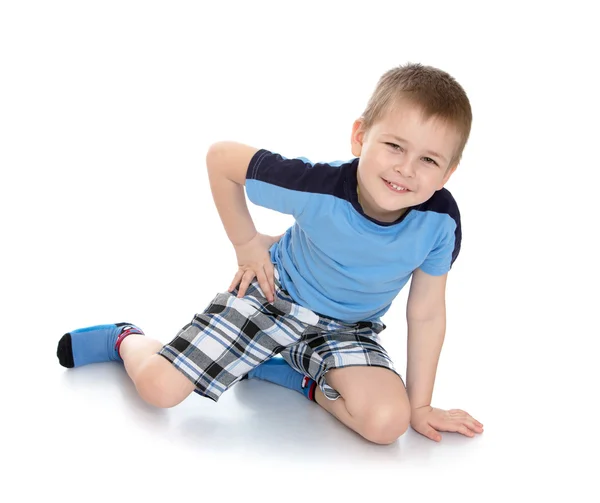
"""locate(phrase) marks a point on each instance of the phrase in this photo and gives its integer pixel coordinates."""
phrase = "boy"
(316, 295)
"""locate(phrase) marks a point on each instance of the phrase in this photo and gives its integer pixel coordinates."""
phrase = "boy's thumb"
(432, 434)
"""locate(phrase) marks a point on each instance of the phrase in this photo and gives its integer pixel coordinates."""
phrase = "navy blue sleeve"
(277, 183)
(446, 250)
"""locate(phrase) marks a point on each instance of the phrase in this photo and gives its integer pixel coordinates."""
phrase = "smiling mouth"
(395, 188)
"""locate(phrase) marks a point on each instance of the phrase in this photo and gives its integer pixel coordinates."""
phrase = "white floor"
(106, 113)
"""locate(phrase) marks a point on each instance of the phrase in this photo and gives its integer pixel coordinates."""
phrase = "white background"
(106, 113)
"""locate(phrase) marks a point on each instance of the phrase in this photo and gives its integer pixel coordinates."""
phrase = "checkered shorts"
(232, 336)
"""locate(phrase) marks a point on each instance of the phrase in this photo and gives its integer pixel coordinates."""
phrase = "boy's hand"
(429, 421)
(254, 261)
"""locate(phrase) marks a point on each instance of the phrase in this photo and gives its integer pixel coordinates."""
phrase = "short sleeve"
(278, 183)
(440, 259)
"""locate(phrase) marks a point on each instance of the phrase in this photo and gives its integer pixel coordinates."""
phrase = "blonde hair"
(432, 90)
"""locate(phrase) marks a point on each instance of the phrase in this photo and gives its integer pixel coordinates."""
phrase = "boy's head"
(410, 139)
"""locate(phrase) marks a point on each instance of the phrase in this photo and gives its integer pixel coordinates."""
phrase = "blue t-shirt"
(336, 260)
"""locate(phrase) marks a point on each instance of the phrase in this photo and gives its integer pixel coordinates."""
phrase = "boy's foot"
(277, 371)
(95, 344)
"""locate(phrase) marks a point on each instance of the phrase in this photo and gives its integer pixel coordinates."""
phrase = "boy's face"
(403, 150)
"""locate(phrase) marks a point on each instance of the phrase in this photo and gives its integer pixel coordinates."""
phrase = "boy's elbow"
(214, 154)
(231, 159)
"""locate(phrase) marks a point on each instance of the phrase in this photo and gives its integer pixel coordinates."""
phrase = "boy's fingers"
(272, 278)
(245, 283)
(427, 430)
(236, 280)
(465, 431)
(474, 426)
(264, 284)
(471, 422)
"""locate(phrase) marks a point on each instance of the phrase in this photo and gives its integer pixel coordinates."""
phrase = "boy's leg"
(208, 355)
(373, 402)
(235, 335)
(278, 371)
(356, 379)
(156, 380)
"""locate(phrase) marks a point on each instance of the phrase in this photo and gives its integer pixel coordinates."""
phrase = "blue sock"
(277, 371)
(95, 344)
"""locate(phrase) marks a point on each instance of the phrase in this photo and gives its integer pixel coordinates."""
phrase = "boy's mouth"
(395, 187)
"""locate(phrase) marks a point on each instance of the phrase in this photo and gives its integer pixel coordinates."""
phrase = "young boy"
(316, 295)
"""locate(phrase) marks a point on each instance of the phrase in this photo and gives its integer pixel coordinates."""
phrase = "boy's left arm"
(426, 319)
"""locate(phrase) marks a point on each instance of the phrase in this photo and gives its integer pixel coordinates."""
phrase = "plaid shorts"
(232, 336)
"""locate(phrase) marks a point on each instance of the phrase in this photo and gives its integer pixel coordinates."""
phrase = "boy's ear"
(357, 138)
(447, 176)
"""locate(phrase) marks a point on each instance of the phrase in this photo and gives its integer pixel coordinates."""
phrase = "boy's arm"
(426, 319)
(227, 164)
(426, 316)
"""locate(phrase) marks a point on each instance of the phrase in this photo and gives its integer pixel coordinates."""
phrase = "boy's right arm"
(227, 164)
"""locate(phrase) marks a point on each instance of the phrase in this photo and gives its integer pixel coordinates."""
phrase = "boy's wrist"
(242, 242)
(418, 407)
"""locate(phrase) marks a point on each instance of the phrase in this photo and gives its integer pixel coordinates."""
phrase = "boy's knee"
(385, 423)
(162, 385)
(376, 399)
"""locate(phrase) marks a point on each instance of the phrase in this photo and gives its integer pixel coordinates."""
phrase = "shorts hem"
(322, 383)
(198, 389)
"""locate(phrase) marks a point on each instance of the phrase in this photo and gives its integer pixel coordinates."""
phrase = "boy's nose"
(405, 168)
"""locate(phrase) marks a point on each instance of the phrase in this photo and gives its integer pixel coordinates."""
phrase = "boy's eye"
(428, 160)
(394, 146)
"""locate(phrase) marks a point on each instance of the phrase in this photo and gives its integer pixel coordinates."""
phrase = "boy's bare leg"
(373, 402)
(157, 381)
